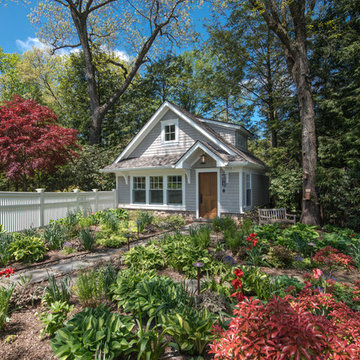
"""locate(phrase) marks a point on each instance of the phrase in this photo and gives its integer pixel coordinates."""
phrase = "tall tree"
(31, 141)
(288, 20)
(93, 25)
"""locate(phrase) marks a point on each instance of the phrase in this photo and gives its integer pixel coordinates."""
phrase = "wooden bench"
(270, 216)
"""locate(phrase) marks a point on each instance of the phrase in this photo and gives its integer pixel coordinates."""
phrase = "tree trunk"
(298, 66)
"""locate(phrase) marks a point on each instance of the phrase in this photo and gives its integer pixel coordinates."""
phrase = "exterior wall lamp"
(202, 159)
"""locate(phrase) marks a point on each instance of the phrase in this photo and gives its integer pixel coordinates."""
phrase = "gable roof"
(218, 143)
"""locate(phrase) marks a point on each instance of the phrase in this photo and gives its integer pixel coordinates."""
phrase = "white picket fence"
(23, 210)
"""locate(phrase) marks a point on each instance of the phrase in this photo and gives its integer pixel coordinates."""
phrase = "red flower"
(238, 273)
(6, 272)
(317, 273)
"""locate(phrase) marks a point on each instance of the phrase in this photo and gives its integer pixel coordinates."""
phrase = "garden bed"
(152, 291)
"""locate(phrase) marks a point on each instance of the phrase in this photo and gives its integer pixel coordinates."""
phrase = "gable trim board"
(198, 145)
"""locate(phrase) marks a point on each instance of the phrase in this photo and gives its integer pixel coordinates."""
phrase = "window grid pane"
(174, 182)
(156, 182)
(139, 183)
(170, 132)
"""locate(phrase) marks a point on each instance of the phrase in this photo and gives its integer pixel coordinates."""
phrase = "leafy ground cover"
(149, 303)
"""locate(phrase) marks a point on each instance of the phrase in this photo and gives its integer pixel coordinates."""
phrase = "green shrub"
(89, 288)
(200, 236)
(53, 292)
(268, 232)
(280, 257)
(337, 241)
(181, 255)
(5, 295)
(298, 237)
(150, 342)
(192, 330)
(87, 239)
(155, 296)
(54, 317)
(113, 241)
(5, 240)
(55, 236)
(234, 239)
(282, 282)
(94, 331)
(145, 257)
(143, 219)
(220, 224)
(127, 281)
(171, 222)
(26, 249)
(108, 274)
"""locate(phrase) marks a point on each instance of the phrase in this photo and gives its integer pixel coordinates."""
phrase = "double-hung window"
(139, 189)
(174, 190)
(169, 132)
(156, 190)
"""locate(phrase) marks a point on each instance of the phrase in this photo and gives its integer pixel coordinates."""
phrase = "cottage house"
(181, 162)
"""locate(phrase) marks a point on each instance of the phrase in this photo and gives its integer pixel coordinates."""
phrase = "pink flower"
(317, 273)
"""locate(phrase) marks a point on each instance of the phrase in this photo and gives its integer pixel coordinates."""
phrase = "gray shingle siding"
(227, 133)
(190, 192)
(230, 198)
(151, 144)
(123, 191)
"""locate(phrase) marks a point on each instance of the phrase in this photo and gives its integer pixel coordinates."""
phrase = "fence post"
(115, 198)
(76, 191)
(42, 207)
(96, 204)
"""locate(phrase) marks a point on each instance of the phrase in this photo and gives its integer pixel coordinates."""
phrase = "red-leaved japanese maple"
(31, 141)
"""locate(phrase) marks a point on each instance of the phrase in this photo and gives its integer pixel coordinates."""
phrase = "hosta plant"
(55, 316)
(153, 296)
(190, 329)
(145, 257)
(27, 249)
(94, 331)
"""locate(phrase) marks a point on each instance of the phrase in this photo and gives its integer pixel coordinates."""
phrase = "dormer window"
(169, 132)
(241, 141)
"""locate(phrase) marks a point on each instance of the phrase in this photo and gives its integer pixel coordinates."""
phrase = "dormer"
(236, 135)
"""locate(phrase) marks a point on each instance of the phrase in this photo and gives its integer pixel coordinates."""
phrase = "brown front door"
(208, 195)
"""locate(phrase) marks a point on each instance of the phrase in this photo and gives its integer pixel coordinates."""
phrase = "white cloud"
(122, 55)
(29, 43)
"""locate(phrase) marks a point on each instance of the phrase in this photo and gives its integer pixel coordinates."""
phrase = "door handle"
(200, 198)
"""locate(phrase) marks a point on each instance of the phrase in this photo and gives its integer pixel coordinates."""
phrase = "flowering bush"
(254, 250)
(236, 283)
(330, 257)
(6, 272)
(290, 328)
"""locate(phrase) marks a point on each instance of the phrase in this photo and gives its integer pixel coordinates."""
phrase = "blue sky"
(18, 35)
(16, 31)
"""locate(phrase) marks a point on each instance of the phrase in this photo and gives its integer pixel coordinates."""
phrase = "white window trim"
(164, 205)
(216, 170)
(166, 123)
